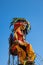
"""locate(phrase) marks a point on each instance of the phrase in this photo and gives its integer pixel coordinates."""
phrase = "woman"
(24, 49)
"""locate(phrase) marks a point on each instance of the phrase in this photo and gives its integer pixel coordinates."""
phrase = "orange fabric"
(28, 47)
(30, 52)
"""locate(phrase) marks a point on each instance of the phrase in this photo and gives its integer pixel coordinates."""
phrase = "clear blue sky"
(32, 10)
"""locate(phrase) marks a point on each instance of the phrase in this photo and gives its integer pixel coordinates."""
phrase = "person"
(25, 49)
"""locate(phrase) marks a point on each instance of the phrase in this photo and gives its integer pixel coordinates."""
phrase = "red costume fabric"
(20, 37)
(16, 25)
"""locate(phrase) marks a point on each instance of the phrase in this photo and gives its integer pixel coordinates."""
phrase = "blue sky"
(32, 10)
